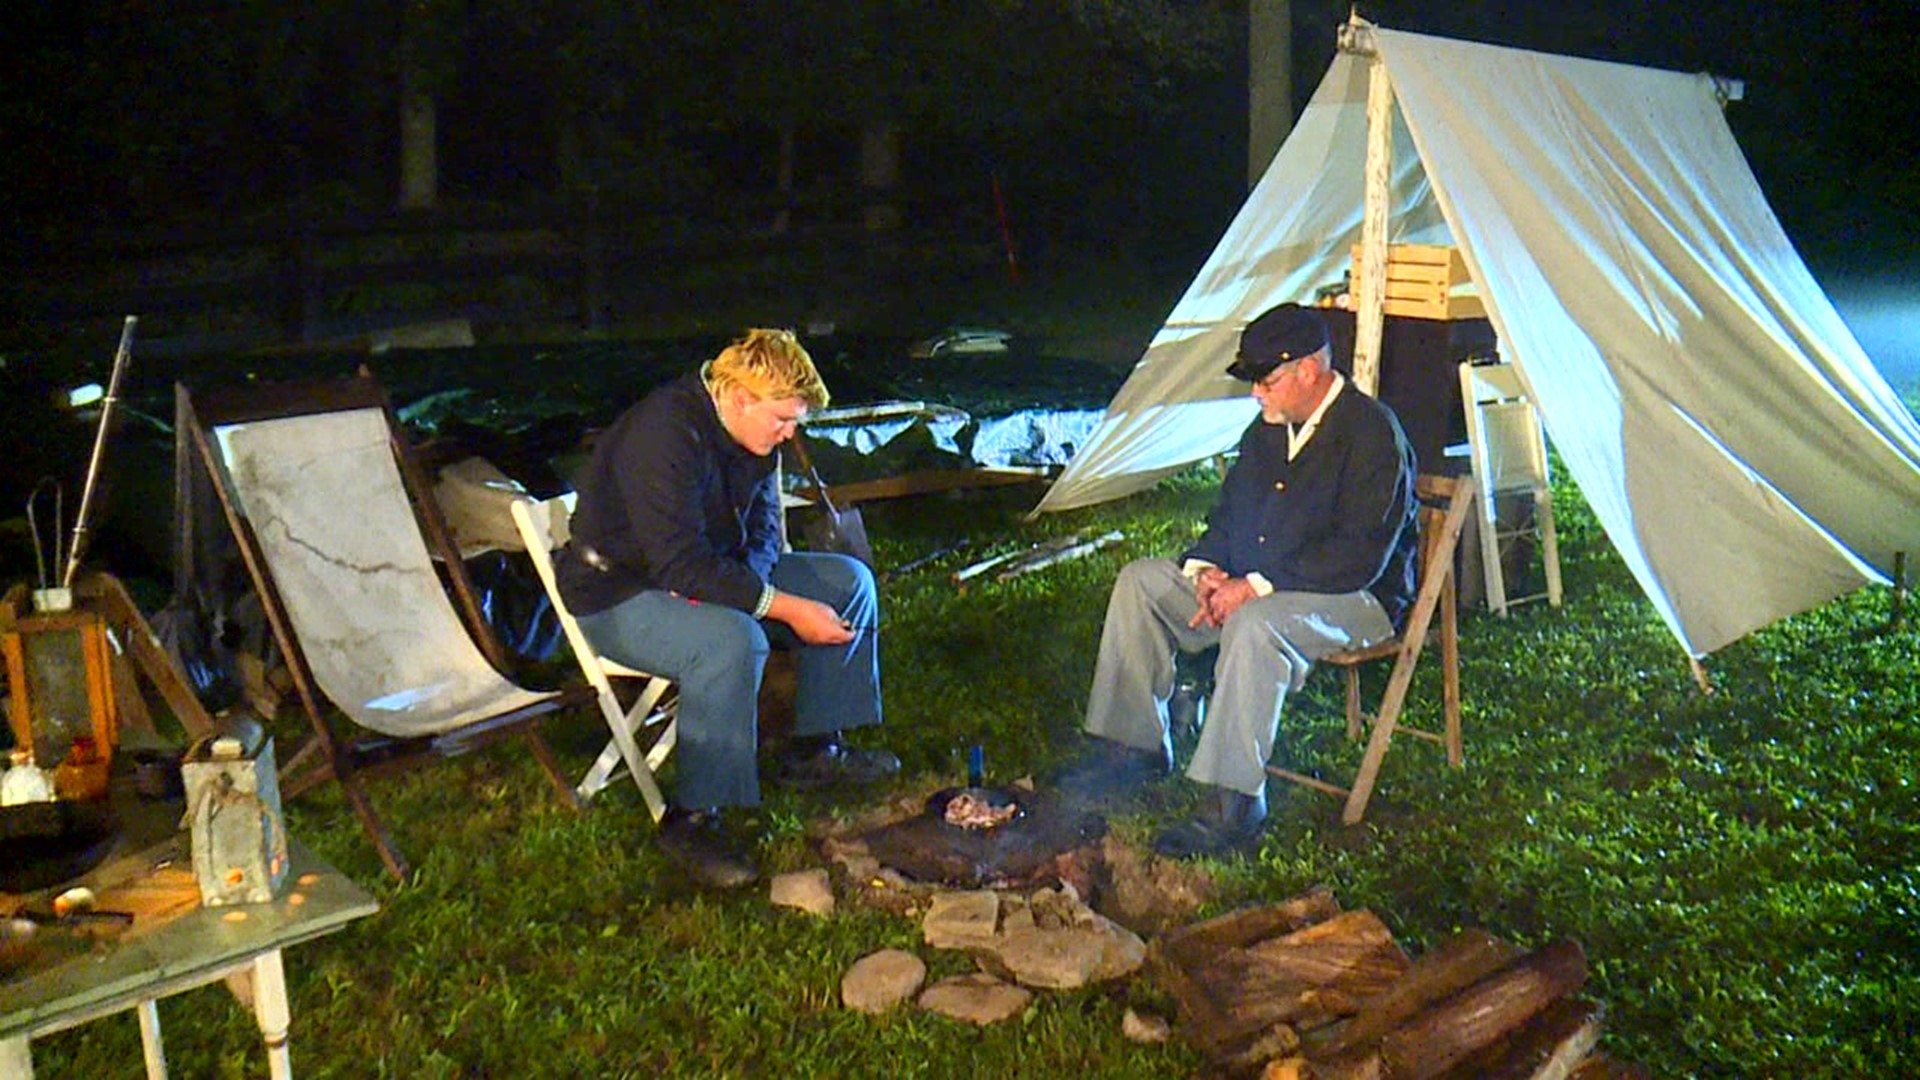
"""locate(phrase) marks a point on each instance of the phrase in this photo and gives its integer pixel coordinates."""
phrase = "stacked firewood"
(1303, 990)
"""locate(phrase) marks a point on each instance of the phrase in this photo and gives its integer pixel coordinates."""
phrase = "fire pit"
(981, 836)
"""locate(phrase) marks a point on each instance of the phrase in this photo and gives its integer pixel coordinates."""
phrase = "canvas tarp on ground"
(1738, 446)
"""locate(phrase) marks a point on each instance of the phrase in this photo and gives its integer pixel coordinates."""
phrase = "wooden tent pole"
(1898, 617)
(1372, 286)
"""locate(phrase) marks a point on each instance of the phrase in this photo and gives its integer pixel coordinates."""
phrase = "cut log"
(1458, 963)
(1549, 1047)
(1247, 926)
(1439, 1036)
(1249, 1054)
(1292, 1068)
(1183, 962)
(1353, 953)
(1602, 1067)
(1311, 976)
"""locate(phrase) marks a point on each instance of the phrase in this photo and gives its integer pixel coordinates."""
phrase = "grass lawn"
(1739, 867)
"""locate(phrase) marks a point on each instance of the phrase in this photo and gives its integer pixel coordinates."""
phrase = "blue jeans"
(717, 654)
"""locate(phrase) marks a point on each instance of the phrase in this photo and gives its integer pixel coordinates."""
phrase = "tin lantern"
(62, 703)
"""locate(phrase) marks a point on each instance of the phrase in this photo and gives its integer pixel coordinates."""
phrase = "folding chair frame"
(1445, 503)
(543, 527)
(330, 754)
(1509, 454)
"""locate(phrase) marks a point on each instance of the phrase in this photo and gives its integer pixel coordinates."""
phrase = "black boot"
(827, 761)
(696, 842)
(1227, 822)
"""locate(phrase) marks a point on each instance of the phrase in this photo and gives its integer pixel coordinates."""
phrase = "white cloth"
(324, 496)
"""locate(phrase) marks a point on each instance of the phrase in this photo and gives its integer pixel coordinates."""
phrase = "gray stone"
(962, 920)
(1015, 913)
(1144, 1027)
(879, 981)
(976, 999)
(809, 890)
(1071, 956)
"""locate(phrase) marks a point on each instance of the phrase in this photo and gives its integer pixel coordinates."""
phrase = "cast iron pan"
(44, 843)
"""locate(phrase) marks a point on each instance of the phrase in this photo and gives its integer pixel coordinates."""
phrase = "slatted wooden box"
(1427, 281)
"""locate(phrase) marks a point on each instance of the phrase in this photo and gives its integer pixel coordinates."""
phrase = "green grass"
(1739, 867)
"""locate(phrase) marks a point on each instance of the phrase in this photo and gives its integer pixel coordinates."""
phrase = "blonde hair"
(769, 364)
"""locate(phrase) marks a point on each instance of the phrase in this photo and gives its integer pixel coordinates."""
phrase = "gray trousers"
(1266, 649)
(717, 654)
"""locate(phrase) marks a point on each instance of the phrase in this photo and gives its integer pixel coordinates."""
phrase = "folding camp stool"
(543, 526)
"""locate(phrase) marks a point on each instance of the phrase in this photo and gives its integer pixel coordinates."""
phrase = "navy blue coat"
(670, 501)
(1338, 518)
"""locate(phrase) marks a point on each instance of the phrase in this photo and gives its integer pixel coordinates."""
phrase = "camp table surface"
(75, 975)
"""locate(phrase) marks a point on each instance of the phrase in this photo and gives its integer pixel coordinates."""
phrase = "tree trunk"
(419, 161)
(783, 181)
(880, 176)
(1269, 82)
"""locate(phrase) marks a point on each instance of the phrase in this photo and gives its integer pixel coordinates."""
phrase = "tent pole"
(1898, 617)
(1700, 677)
(1372, 286)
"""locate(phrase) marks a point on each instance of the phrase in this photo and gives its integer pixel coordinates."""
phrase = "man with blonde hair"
(675, 568)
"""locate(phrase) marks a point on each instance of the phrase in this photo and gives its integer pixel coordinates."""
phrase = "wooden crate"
(1427, 281)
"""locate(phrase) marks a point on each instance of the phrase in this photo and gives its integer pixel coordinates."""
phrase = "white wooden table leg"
(271, 1011)
(16, 1058)
(150, 1039)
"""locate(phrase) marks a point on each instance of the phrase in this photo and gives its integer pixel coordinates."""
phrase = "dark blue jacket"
(1336, 519)
(670, 501)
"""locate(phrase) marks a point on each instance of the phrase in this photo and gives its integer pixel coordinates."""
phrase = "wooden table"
(75, 975)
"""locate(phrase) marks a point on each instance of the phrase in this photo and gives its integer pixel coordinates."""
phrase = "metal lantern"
(59, 669)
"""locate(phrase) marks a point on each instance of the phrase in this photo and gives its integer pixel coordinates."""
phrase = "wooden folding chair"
(543, 526)
(1445, 503)
(343, 542)
(1509, 453)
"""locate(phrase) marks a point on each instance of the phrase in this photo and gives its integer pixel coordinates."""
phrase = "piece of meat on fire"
(970, 811)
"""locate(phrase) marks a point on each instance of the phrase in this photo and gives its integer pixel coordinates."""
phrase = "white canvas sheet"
(324, 496)
(1729, 432)
(1738, 446)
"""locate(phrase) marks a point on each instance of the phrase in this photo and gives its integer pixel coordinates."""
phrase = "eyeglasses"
(1273, 378)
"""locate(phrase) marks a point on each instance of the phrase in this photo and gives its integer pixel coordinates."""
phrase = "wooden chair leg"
(1353, 702)
(1450, 672)
(624, 749)
(370, 821)
(550, 765)
(1549, 543)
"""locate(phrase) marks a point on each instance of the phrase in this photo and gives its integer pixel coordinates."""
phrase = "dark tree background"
(1103, 117)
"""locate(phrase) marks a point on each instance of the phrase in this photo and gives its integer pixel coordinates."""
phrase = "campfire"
(985, 836)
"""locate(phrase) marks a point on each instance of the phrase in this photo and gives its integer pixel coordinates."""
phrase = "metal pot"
(45, 843)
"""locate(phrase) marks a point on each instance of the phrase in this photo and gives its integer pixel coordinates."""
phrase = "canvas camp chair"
(543, 525)
(1445, 503)
(340, 535)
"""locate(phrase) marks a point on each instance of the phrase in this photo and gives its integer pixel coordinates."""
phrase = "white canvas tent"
(1738, 446)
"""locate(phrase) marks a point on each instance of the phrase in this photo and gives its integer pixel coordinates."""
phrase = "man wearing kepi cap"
(1309, 549)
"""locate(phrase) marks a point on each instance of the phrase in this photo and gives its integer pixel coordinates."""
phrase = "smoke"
(1883, 311)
